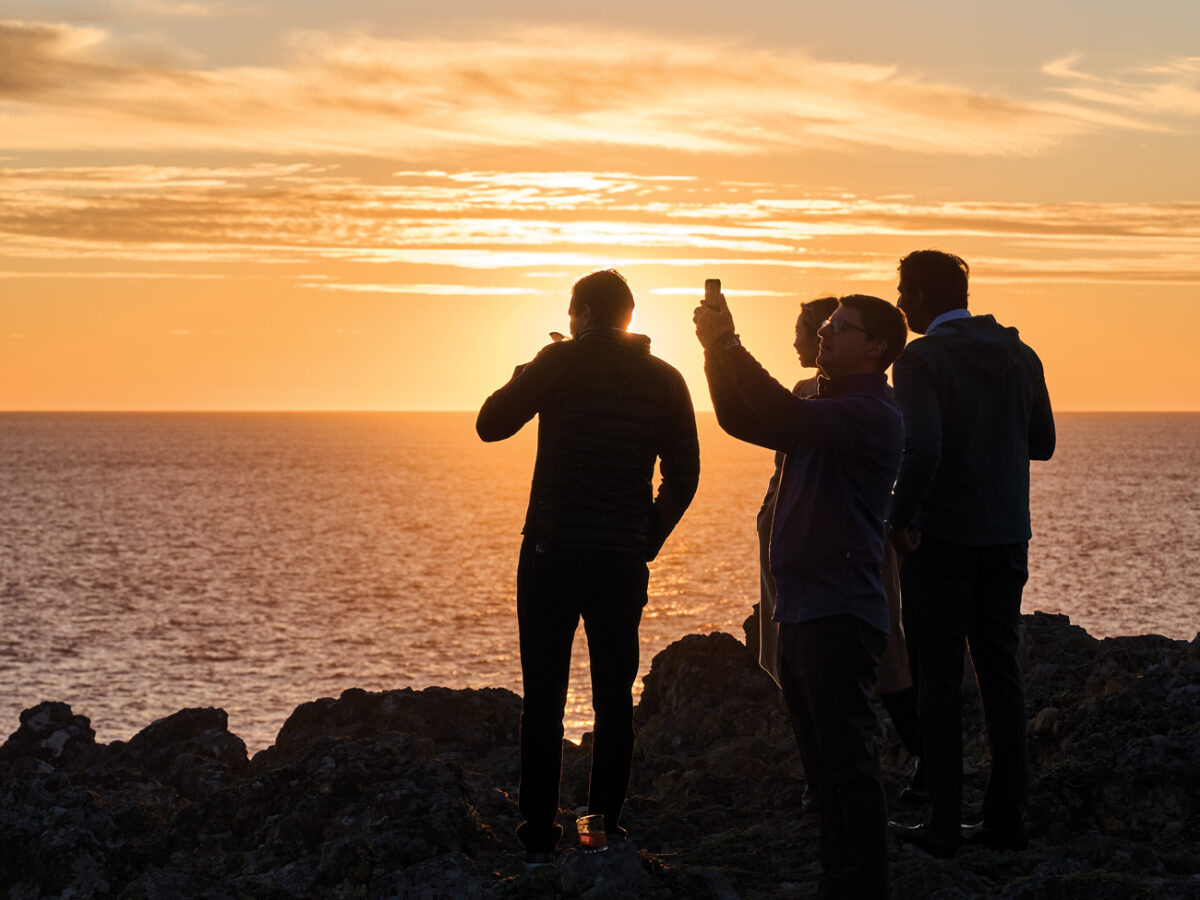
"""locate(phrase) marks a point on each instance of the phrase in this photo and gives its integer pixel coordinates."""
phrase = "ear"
(876, 348)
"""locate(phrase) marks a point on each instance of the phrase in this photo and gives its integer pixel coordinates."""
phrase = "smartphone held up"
(712, 293)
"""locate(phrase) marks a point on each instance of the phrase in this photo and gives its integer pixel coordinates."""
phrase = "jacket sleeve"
(776, 418)
(918, 401)
(733, 414)
(1041, 420)
(509, 408)
(679, 463)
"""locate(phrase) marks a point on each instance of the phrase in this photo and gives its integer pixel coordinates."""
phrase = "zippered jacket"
(841, 454)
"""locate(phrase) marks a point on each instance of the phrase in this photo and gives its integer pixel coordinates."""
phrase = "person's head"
(600, 300)
(931, 283)
(812, 314)
(864, 334)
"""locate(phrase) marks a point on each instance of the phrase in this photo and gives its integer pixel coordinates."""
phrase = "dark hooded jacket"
(976, 411)
(607, 410)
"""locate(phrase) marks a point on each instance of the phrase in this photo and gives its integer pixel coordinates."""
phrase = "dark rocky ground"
(409, 794)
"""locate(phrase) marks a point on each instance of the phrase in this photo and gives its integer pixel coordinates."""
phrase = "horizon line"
(207, 411)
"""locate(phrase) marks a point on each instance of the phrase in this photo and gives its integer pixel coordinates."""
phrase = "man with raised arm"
(841, 453)
(976, 411)
(607, 412)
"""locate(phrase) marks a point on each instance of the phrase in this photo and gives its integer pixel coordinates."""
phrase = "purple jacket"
(842, 452)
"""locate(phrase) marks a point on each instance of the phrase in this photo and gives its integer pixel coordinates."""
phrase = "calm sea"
(150, 562)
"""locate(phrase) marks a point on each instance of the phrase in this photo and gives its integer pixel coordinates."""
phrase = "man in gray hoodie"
(976, 411)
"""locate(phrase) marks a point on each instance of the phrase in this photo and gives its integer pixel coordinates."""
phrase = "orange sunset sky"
(260, 204)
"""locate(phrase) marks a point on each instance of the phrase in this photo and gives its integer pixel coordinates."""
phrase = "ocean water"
(151, 562)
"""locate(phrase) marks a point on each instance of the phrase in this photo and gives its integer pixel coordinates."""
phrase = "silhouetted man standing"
(976, 411)
(841, 454)
(607, 410)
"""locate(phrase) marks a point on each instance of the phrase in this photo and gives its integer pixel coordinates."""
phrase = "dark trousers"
(956, 595)
(554, 590)
(827, 669)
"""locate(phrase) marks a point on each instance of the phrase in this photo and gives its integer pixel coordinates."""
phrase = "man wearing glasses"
(841, 454)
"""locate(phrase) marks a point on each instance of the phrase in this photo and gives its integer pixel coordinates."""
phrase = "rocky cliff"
(410, 794)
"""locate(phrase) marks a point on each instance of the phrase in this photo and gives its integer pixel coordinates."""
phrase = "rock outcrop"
(411, 794)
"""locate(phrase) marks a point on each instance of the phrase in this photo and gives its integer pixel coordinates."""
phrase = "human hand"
(712, 322)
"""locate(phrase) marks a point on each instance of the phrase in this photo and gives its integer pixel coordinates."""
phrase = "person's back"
(614, 410)
(607, 411)
(976, 410)
(973, 450)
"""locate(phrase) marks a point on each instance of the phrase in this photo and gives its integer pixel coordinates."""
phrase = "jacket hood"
(980, 342)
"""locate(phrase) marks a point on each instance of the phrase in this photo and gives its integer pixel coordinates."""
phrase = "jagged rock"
(203, 733)
(475, 726)
(56, 839)
(410, 794)
(51, 732)
(191, 750)
(614, 874)
(168, 884)
(450, 877)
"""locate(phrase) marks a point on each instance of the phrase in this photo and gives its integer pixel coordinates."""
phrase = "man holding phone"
(842, 451)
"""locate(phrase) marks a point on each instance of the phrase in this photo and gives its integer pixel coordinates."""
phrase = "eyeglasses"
(837, 326)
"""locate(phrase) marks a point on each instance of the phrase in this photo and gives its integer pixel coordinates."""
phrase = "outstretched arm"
(510, 407)
(739, 412)
(734, 415)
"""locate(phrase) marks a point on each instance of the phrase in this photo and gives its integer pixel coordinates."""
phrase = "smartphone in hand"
(712, 293)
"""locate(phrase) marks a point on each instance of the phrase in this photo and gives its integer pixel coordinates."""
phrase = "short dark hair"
(817, 311)
(881, 321)
(608, 297)
(941, 276)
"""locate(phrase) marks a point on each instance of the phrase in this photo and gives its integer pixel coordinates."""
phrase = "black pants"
(554, 590)
(956, 595)
(827, 667)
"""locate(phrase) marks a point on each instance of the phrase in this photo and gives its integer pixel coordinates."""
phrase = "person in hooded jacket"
(607, 412)
(976, 411)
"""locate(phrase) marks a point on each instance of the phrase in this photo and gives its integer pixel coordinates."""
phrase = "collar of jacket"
(845, 385)
(616, 336)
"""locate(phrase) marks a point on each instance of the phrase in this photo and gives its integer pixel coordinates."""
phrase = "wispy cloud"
(187, 9)
(461, 225)
(109, 276)
(67, 87)
(427, 290)
(42, 58)
(1168, 90)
